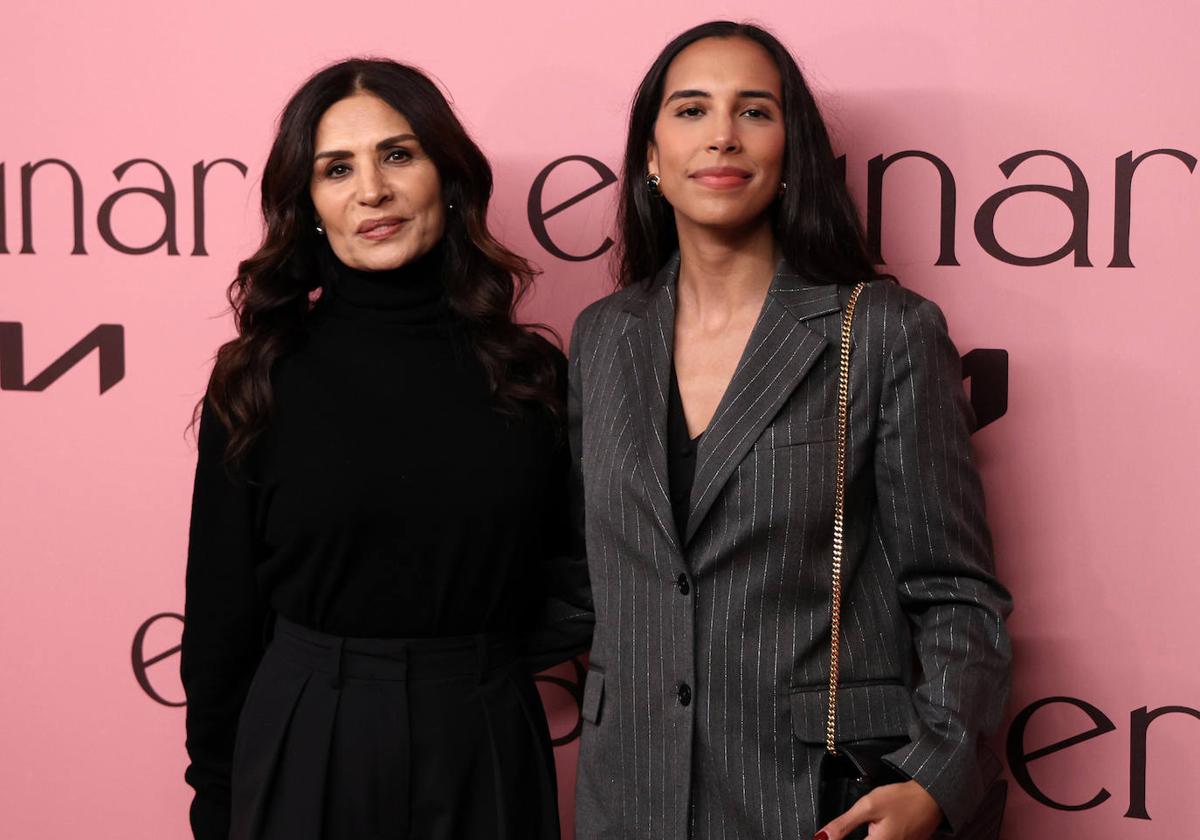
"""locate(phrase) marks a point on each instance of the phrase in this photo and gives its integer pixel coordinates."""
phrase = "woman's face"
(377, 194)
(718, 142)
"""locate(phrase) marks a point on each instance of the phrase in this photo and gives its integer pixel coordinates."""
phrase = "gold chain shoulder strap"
(839, 511)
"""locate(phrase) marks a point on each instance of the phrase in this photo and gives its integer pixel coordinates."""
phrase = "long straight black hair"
(814, 221)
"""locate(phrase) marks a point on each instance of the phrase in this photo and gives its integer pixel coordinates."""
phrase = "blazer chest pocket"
(875, 709)
(593, 696)
(782, 433)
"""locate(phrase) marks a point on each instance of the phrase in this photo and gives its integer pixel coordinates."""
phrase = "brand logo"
(163, 194)
(1020, 757)
(153, 678)
(1075, 202)
(108, 340)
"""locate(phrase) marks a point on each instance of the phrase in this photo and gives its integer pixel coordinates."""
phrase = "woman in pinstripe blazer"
(704, 704)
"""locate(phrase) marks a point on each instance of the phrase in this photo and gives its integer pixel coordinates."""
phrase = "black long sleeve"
(388, 498)
(223, 631)
(568, 617)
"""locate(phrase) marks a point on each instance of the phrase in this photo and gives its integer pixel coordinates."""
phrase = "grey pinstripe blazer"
(737, 609)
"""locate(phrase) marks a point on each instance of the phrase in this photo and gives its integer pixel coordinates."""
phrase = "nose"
(724, 139)
(373, 188)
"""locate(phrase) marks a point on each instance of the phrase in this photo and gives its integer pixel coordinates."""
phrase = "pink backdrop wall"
(1090, 474)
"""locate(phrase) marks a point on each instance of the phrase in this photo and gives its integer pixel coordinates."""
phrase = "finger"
(860, 812)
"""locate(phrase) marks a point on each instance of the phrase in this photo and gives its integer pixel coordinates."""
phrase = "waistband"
(442, 657)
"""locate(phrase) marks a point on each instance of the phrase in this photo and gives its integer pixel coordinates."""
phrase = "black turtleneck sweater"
(387, 499)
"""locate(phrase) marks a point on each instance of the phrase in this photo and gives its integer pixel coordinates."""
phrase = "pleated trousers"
(391, 739)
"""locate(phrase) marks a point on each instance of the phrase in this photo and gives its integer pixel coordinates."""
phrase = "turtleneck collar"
(410, 294)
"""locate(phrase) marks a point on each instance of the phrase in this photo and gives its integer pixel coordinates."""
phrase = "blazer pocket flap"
(593, 696)
(783, 433)
(878, 710)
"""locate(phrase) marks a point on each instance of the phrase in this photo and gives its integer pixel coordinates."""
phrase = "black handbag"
(849, 771)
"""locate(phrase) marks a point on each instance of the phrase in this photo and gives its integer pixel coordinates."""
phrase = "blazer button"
(685, 694)
(682, 583)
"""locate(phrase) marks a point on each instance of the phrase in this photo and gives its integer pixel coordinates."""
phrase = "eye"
(757, 114)
(337, 170)
(398, 155)
(690, 111)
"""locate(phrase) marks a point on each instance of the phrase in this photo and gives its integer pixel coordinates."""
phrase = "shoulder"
(544, 350)
(887, 308)
(545, 341)
(212, 435)
(550, 348)
(887, 296)
(905, 335)
(611, 311)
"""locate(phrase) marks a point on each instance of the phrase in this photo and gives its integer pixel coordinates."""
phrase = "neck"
(411, 293)
(721, 272)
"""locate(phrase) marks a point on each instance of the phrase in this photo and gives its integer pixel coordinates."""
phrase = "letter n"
(948, 204)
(107, 339)
(27, 172)
(1139, 724)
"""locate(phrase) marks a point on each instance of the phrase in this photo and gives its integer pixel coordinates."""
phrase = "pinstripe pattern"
(751, 637)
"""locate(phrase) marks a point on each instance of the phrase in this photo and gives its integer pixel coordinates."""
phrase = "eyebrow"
(380, 146)
(703, 94)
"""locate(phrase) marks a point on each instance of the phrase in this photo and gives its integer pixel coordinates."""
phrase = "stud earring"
(320, 230)
(652, 182)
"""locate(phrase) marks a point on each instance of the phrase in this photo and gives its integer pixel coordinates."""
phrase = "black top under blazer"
(704, 706)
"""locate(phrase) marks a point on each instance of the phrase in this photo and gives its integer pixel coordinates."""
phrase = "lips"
(721, 177)
(380, 228)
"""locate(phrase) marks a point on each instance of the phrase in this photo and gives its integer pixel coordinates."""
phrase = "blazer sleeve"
(935, 535)
(568, 618)
(223, 626)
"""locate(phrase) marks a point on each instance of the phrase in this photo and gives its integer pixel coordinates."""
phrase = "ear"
(652, 159)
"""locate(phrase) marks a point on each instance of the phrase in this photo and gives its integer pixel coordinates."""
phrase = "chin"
(726, 215)
(384, 259)
(727, 222)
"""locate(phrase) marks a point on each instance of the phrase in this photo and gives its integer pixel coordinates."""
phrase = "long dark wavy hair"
(273, 292)
(814, 221)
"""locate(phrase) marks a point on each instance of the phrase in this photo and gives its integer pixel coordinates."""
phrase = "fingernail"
(820, 835)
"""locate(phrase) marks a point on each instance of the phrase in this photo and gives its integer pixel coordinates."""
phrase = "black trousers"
(436, 739)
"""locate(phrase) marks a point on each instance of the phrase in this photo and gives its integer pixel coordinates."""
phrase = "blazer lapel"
(780, 351)
(646, 365)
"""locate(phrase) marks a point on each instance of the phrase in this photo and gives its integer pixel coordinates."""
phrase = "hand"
(903, 811)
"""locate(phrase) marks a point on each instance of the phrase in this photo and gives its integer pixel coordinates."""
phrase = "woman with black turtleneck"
(388, 504)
